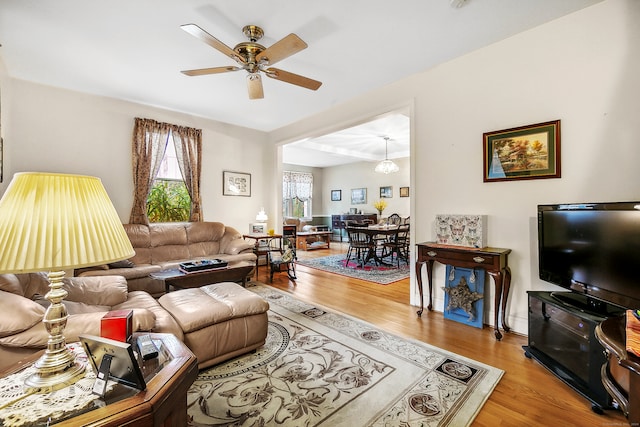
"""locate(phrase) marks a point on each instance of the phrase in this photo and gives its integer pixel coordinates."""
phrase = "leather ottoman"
(219, 321)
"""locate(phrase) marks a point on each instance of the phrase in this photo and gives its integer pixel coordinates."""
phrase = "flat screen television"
(592, 249)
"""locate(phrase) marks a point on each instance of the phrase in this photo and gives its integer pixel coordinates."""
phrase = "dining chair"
(360, 245)
(394, 219)
(398, 245)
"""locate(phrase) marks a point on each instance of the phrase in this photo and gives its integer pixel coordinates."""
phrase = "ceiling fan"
(254, 58)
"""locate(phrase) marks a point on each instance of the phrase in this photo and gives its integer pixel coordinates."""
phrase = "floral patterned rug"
(382, 275)
(324, 368)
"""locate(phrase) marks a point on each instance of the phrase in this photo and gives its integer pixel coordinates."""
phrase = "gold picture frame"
(525, 152)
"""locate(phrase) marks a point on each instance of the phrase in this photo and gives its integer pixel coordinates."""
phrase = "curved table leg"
(419, 280)
(497, 278)
(505, 296)
(429, 264)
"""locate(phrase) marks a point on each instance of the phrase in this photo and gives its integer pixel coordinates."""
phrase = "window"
(297, 190)
(169, 199)
(167, 203)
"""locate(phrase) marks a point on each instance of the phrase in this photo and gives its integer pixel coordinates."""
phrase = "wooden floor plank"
(527, 395)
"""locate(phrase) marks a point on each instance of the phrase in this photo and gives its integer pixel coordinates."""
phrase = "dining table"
(373, 231)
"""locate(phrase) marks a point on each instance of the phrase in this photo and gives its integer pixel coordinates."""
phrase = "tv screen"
(592, 249)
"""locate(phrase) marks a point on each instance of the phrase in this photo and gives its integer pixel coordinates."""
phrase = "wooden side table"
(308, 240)
(163, 403)
(493, 260)
(621, 372)
(264, 245)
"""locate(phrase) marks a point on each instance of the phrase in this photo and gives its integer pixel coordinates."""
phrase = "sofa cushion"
(100, 290)
(141, 241)
(18, 313)
(10, 283)
(238, 245)
(164, 322)
(199, 308)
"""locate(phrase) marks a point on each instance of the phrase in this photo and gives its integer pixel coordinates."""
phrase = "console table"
(621, 373)
(337, 221)
(492, 260)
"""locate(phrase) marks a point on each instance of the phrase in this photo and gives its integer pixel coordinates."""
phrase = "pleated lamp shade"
(52, 221)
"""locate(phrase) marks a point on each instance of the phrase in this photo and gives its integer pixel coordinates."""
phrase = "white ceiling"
(361, 143)
(134, 49)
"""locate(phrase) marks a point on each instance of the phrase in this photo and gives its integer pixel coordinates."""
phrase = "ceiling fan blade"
(282, 49)
(198, 32)
(254, 84)
(292, 78)
(214, 70)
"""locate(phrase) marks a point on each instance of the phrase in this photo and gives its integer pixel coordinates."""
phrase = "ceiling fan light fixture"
(386, 166)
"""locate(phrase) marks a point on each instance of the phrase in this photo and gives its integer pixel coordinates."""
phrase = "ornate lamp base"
(58, 367)
(46, 382)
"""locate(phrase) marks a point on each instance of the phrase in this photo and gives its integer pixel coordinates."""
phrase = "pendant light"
(386, 166)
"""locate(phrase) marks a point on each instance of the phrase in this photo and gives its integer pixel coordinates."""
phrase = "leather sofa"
(162, 246)
(217, 322)
(22, 307)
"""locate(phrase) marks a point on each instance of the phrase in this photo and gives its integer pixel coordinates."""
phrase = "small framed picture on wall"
(236, 184)
(358, 196)
(404, 191)
(336, 195)
(386, 192)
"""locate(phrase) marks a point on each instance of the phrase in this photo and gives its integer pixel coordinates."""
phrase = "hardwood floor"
(527, 394)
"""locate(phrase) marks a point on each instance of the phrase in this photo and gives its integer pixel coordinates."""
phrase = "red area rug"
(382, 275)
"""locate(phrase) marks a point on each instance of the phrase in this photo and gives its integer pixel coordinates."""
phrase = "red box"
(117, 325)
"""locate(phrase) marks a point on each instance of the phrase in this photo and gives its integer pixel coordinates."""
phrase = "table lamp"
(262, 216)
(54, 222)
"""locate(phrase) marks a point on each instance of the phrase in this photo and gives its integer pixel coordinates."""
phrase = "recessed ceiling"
(361, 143)
(135, 50)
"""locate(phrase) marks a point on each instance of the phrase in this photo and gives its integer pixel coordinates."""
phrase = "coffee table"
(236, 272)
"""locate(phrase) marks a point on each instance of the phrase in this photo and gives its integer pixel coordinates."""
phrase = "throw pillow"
(18, 313)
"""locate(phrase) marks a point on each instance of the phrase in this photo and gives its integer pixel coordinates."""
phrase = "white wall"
(361, 175)
(582, 69)
(56, 130)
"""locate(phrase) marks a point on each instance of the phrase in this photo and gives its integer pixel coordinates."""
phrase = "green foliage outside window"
(168, 201)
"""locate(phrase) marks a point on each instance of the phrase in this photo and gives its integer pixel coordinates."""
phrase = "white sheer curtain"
(297, 191)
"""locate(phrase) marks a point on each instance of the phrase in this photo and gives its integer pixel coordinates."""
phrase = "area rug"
(382, 275)
(323, 368)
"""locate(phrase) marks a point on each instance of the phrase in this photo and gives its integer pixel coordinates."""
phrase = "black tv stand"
(586, 304)
(562, 339)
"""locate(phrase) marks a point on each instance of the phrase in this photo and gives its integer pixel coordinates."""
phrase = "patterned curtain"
(149, 144)
(296, 186)
(188, 142)
(150, 140)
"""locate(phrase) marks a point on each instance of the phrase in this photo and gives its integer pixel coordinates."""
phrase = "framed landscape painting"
(526, 152)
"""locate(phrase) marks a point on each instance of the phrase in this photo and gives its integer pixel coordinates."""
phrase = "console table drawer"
(470, 258)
